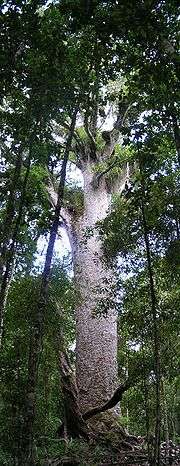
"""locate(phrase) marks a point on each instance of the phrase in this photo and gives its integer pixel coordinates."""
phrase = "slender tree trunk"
(146, 402)
(6, 229)
(37, 330)
(6, 277)
(176, 216)
(176, 132)
(96, 335)
(156, 460)
(174, 417)
(165, 411)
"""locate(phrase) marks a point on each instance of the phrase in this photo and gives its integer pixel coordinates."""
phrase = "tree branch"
(115, 132)
(122, 117)
(92, 140)
(78, 140)
(97, 178)
(116, 397)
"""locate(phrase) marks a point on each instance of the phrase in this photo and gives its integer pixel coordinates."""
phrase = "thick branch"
(115, 132)
(122, 178)
(117, 396)
(91, 138)
(121, 118)
(97, 177)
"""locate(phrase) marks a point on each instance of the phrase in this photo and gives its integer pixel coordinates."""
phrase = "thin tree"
(10, 253)
(37, 330)
(157, 365)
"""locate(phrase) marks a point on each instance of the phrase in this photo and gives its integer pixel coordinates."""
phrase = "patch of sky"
(62, 249)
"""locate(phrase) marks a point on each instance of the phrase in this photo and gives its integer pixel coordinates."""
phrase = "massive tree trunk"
(96, 319)
(96, 332)
(96, 336)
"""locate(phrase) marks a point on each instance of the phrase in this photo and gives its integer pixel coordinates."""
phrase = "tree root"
(75, 424)
(98, 426)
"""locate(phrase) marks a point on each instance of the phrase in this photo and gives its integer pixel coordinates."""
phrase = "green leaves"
(19, 319)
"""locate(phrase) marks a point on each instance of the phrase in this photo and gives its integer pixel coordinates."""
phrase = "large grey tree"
(96, 332)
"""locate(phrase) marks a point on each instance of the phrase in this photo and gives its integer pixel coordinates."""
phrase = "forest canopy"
(90, 158)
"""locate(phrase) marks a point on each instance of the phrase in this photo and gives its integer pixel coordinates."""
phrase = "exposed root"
(74, 425)
(98, 426)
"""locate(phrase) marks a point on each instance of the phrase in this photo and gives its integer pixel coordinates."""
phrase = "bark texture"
(96, 336)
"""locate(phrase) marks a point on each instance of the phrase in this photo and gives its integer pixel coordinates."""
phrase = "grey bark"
(96, 332)
(96, 337)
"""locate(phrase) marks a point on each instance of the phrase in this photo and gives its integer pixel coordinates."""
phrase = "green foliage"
(74, 201)
(82, 134)
(19, 318)
(100, 54)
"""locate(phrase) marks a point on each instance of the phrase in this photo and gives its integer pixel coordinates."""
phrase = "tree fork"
(75, 421)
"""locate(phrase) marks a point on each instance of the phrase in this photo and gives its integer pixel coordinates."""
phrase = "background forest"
(90, 144)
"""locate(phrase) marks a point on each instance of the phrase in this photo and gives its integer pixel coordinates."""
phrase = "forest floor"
(81, 453)
(109, 444)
